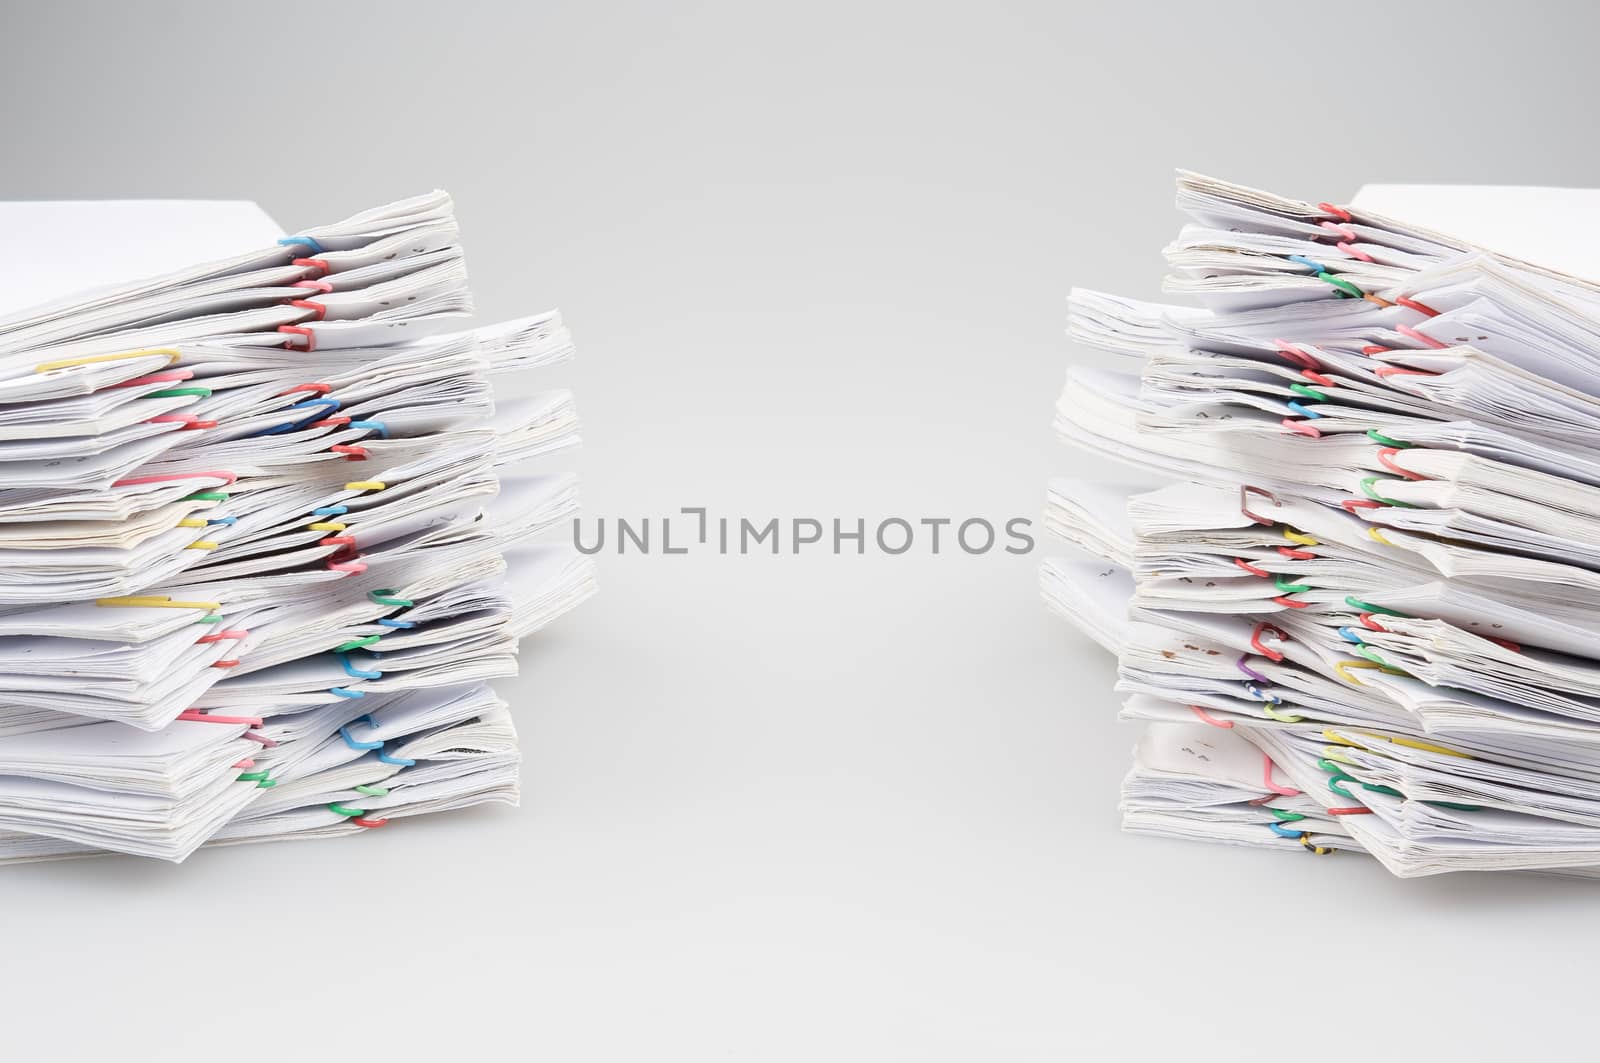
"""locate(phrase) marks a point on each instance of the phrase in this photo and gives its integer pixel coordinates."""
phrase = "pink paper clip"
(1386, 457)
(245, 763)
(1212, 720)
(317, 286)
(171, 376)
(1344, 231)
(222, 636)
(1408, 331)
(1266, 777)
(353, 567)
(196, 716)
(1296, 355)
(1302, 427)
(227, 478)
(256, 736)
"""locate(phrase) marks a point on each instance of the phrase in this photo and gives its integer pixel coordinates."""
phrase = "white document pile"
(1367, 616)
(265, 533)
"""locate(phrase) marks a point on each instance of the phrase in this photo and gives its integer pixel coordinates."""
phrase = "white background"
(816, 258)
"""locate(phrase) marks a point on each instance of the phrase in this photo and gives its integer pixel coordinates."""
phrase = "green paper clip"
(1378, 437)
(356, 644)
(1289, 588)
(254, 776)
(1308, 392)
(1350, 290)
(172, 393)
(1364, 607)
(343, 811)
(372, 791)
(1366, 487)
(208, 496)
(1285, 817)
(386, 597)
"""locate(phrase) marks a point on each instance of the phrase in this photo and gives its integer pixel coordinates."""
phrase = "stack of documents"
(266, 534)
(1366, 617)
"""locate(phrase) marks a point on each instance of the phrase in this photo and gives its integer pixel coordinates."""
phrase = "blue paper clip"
(1311, 264)
(1284, 832)
(386, 622)
(1349, 635)
(330, 511)
(222, 520)
(1301, 410)
(302, 241)
(401, 762)
(356, 673)
(353, 744)
(323, 405)
(372, 426)
(346, 692)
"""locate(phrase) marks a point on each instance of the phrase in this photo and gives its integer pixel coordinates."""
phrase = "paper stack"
(266, 535)
(1366, 617)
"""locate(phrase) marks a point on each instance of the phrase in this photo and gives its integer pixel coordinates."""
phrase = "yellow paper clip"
(326, 526)
(365, 485)
(191, 522)
(201, 544)
(1342, 666)
(1378, 535)
(171, 354)
(1281, 717)
(1336, 753)
(1330, 735)
(155, 601)
(1297, 537)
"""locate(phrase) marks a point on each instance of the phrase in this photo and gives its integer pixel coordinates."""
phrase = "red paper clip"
(1248, 567)
(1412, 304)
(311, 305)
(351, 453)
(1266, 651)
(1358, 810)
(1290, 603)
(370, 824)
(317, 286)
(310, 337)
(1371, 624)
(314, 263)
(1337, 212)
(1245, 491)
(1296, 555)
(331, 422)
(1350, 505)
